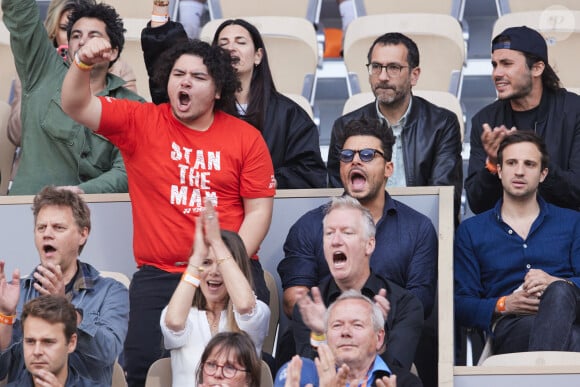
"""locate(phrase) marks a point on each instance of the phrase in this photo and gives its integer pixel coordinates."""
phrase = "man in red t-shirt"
(177, 154)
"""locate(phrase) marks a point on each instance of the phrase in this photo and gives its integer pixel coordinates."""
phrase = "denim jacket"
(104, 303)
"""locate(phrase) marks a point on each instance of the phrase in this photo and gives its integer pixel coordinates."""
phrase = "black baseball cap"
(522, 39)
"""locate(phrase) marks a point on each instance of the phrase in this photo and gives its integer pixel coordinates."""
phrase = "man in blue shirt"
(406, 242)
(62, 226)
(517, 266)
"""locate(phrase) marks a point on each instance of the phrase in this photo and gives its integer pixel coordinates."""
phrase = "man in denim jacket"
(62, 226)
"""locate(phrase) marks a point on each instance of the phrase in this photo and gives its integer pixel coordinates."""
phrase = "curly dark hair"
(104, 12)
(219, 66)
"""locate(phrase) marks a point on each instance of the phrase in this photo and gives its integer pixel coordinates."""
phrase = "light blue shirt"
(379, 367)
(398, 178)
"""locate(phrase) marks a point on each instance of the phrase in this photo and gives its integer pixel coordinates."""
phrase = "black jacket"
(558, 124)
(431, 151)
(289, 132)
(403, 326)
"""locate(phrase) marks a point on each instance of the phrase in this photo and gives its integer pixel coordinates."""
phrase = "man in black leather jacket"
(428, 137)
(529, 98)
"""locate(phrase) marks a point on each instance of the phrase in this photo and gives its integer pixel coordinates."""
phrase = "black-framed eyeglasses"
(366, 155)
(228, 370)
(393, 69)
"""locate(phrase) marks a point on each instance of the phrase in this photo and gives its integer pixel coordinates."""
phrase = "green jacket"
(55, 149)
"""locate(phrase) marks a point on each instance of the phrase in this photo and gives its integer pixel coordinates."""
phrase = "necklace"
(213, 321)
(241, 108)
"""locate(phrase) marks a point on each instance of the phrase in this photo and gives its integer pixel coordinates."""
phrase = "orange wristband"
(500, 304)
(7, 320)
(190, 279)
(492, 168)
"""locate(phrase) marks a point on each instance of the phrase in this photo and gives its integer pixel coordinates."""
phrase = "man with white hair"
(355, 335)
(349, 241)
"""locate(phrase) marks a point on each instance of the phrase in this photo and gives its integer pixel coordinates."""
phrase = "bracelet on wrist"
(7, 319)
(161, 3)
(316, 339)
(194, 268)
(500, 305)
(190, 279)
(222, 260)
(491, 167)
(80, 64)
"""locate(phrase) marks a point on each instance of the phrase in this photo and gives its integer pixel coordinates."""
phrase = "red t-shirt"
(171, 169)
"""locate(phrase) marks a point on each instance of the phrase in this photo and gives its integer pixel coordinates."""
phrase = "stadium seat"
(446, 7)
(438, 37)
(266, 379)
(292, 50)
(307, 9)
(507, 6)
(131, 9)
(534, 359)
(302, 102)
(159, 374)
(118, 376)
(274, 304)
(116, 275)
(561, 30)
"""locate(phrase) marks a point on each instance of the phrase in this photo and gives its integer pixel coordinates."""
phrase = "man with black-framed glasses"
(406, 251)
(427, 150)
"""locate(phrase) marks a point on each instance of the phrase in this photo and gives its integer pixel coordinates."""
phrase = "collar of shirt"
(371, 288)
(377, 370)
(544, 211)
(402, 121)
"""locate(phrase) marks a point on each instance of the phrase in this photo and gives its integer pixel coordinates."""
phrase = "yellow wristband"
(316, 339)
(80, 64)
(7, 320)
(190, 279)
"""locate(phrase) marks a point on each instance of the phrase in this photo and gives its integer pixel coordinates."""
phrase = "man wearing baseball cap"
(530, 97)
